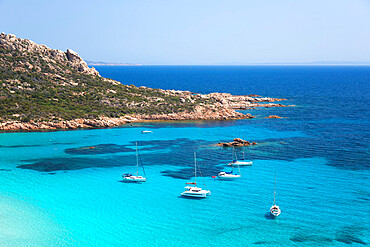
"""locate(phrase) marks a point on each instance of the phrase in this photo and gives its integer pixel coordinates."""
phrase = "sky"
(192, 32)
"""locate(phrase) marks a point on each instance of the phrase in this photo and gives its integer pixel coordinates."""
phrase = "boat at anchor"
(229, 175)
(128, 177)
(275, 210)
(192, 190)
(241, 162)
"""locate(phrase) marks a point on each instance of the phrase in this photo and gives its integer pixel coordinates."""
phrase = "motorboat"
(146, 131)
(192, 190)
(128, 177)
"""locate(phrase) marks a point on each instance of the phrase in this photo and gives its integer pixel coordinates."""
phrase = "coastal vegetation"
(45, 88)
(35, 85)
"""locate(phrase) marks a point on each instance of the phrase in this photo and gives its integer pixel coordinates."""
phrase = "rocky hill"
(44, 88)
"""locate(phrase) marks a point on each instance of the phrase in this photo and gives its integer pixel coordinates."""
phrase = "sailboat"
(242, 162)
(229, 175)
(275, 210)
(127, 177)
(194, 191)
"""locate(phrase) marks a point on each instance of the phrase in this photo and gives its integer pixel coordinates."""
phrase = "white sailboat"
(275, 210)
(194, 191)
(242, 162)
(127, 177)
(229, 175)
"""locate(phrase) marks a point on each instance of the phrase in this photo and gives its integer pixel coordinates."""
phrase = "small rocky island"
(44, 88)
(237, 142)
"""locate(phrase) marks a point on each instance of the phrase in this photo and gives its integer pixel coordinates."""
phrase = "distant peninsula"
(92, 63)
(44, 88)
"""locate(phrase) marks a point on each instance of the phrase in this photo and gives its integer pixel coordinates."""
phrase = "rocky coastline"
(47, 89)
(224, 109)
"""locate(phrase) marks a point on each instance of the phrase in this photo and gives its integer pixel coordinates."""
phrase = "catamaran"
(275, 210)
(127, 177)
(242, 162)
(194, 191)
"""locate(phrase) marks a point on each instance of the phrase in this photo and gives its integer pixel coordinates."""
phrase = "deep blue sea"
(56, 191)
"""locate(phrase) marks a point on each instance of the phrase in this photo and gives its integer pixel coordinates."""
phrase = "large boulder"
(78, 63)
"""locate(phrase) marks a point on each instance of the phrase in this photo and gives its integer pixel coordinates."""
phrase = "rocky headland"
(43, 88)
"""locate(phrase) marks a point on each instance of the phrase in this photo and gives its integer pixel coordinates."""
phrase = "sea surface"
(64, 188)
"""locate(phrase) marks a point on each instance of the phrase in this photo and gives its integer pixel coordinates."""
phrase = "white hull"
(275, 214)
(195, 192)
(228, 177)
(225, 176)
(188, 194)
(241, 163)
(275, 211)
(134, 179)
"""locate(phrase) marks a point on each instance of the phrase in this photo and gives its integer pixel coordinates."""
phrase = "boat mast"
(243, 152)
(141, 163)
(195, 168)
(236, 157)
(275, 188)
(137, 162)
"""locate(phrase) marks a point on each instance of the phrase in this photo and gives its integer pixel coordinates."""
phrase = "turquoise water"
(91, 207)
(56, 191)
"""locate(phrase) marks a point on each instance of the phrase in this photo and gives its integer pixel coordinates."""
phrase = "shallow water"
(57, 191)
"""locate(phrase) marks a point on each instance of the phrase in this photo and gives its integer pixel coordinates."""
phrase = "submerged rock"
(273, 116)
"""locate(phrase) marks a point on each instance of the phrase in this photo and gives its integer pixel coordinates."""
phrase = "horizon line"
(322, 63)
(263, 64)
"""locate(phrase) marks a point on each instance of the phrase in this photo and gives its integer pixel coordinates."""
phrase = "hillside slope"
(45, 88)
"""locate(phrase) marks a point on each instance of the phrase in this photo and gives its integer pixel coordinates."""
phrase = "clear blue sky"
(196, 31)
